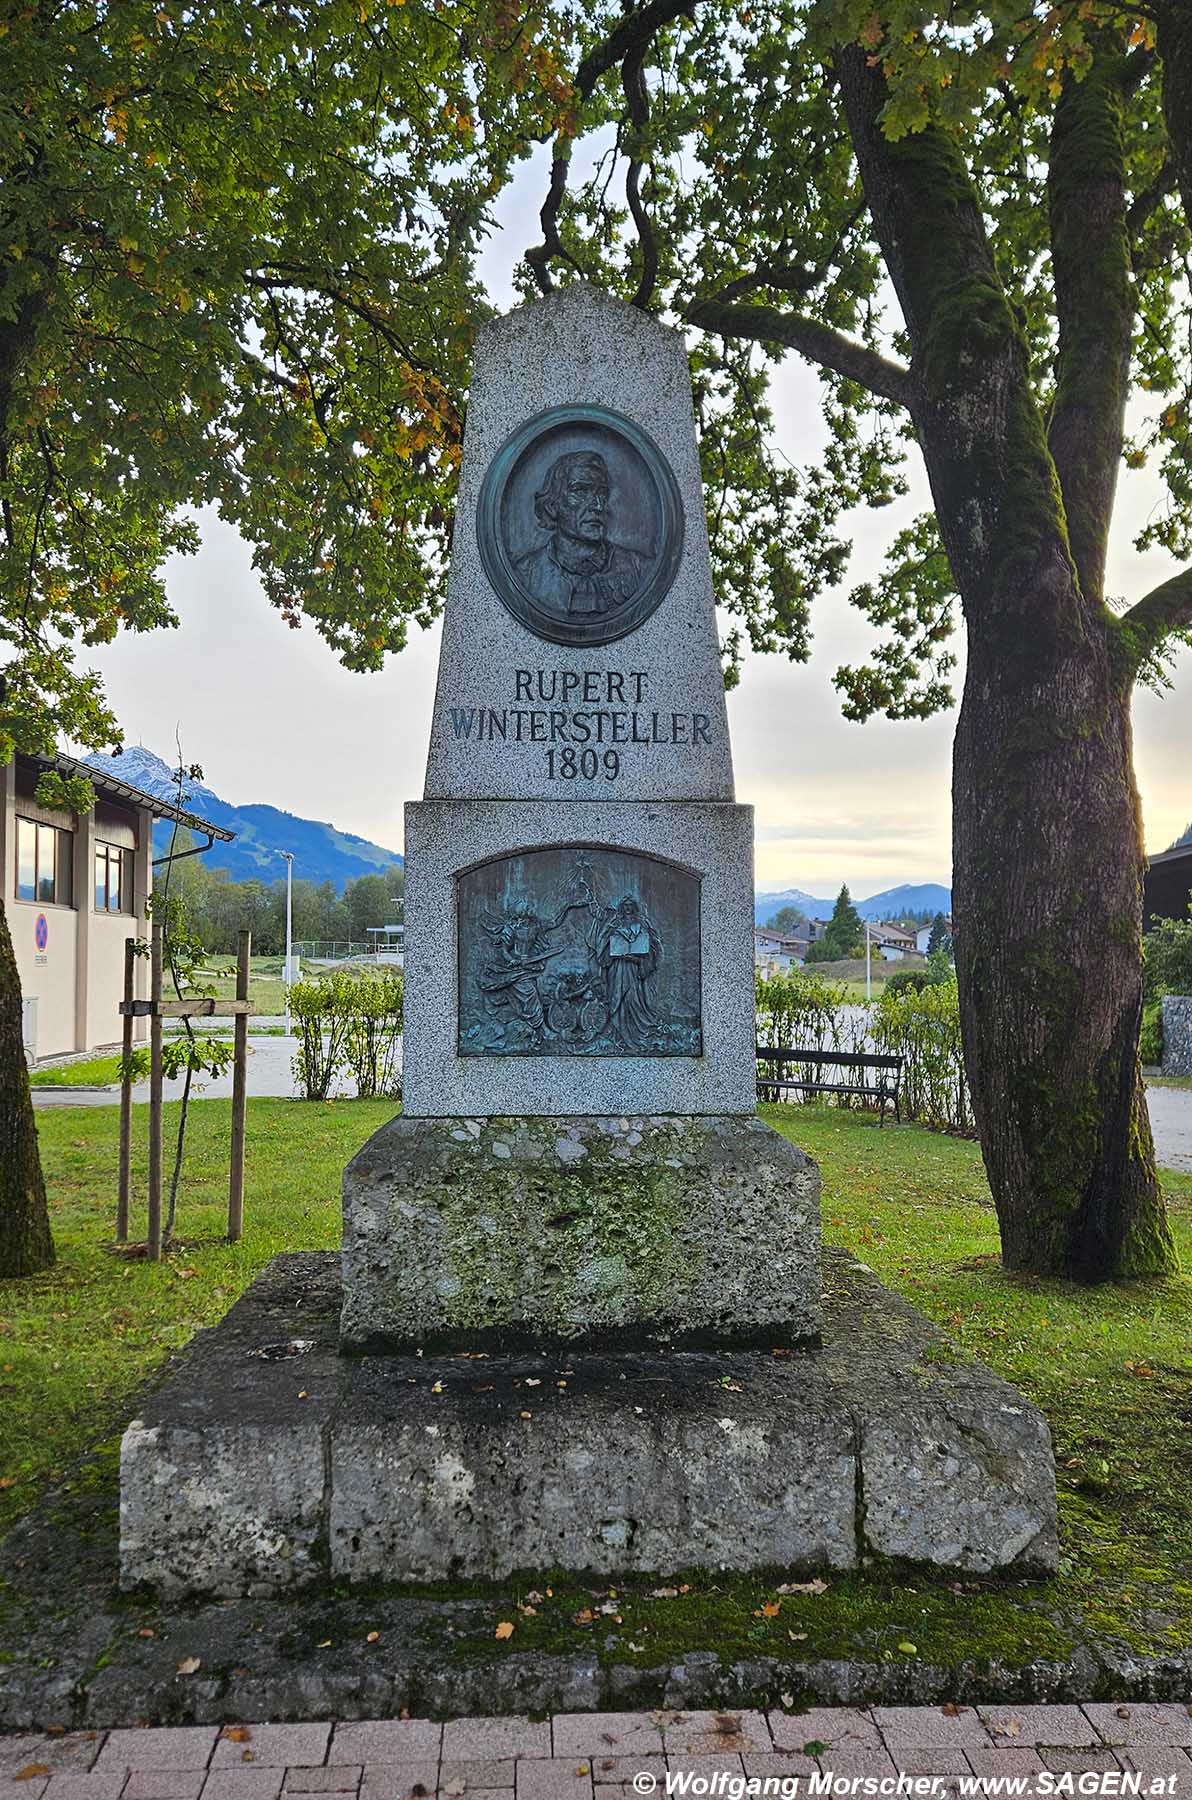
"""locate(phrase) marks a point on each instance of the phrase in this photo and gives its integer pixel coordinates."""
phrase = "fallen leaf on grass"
(323, 1644)
(504, 1629)
(797, 1637)
(769, 1609)
(584, 1616)
(146, 1631)
(189, 1665)
(7, 1481)
(815, 1586)
(373, 1637)
(909, 1649)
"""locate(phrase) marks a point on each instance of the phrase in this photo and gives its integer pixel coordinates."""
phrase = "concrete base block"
(493, 1232)
(1177, 1034)
(268, 1458)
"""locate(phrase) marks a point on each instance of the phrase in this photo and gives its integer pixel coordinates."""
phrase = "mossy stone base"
(496, 1232)
(266, 1458)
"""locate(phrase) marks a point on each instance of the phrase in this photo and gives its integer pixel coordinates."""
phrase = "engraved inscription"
(579, 951)
(580, 526)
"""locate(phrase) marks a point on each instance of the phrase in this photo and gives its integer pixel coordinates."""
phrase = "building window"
(113, 879)
(44, 858)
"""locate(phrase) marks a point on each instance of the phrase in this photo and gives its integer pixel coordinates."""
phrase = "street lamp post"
(868, 967)
(288, 974)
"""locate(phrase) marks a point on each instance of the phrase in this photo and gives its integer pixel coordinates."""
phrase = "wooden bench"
(884, 1087)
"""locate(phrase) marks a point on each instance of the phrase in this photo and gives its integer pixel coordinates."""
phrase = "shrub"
(375, 1006)
(348, 1019)
(923, 1027)
(804, 1011)
(909, 980)
(1168, 952)
(1151, 1043)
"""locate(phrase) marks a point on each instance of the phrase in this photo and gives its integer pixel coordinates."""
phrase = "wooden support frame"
(125, 1189)
(156, 954)
(239, 1090)
(155, 1009)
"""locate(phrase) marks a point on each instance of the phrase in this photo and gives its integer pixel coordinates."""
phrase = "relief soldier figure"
(523, 940)
(579, 570)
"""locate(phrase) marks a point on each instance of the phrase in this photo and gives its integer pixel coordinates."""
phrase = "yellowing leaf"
(504, 1629)
(189, 1665)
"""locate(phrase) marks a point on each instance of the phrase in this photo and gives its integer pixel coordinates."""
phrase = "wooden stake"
(239, 1092)
(122, 1199)
(155, 968)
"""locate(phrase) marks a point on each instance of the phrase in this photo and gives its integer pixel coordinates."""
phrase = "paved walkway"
(1171, 1121)
(939, 1751)
(270, 1074)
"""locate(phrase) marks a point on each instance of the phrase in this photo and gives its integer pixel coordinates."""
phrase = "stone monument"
(580, 1318)
(577, 1151)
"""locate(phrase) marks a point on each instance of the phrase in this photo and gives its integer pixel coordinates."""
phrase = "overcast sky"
(271, 716)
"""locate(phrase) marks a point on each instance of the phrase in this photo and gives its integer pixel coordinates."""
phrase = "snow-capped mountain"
(321, 852)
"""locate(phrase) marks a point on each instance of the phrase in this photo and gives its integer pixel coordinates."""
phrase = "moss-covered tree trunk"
(1048, 901)
(25, 1242)
(1047, 839)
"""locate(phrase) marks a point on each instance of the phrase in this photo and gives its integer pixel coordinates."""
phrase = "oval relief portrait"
(579, 525)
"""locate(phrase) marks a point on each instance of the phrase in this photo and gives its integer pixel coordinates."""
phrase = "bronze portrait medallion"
(579, 525)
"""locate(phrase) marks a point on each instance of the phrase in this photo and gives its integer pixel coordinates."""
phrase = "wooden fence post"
(239, 1091)
(122, 1198)
(155, 965)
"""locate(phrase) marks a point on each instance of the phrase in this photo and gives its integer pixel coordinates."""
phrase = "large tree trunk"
(1048, 903)
(25, 1242)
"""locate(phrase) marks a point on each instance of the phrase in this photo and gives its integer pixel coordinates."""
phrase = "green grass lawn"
(1111, 1367)
(89, 1071)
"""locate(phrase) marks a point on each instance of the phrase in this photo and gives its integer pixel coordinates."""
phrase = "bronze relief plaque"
(580, 525)
(579, 950)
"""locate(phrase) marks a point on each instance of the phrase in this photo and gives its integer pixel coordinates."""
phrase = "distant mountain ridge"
(321, 852)
(891, 903)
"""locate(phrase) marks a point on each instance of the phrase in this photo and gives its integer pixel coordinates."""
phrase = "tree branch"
(633, 79)
(1094, 298)
(1164, 610)
(1144, 203)
(627, 45)
(819, 343)
(632, 36)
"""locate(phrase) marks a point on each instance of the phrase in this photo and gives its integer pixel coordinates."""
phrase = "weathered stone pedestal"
(470, 1232)
(269, 1459)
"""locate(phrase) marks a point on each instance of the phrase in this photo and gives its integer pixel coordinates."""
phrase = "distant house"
(892, 941)
(75, 887)
(774, 952)
(1168, 885)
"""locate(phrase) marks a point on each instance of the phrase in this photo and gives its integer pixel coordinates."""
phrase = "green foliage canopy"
(236, 247)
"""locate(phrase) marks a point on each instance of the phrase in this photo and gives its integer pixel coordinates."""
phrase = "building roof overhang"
(108, 787)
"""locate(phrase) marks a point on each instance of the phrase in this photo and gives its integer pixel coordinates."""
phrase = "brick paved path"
(595, 1756)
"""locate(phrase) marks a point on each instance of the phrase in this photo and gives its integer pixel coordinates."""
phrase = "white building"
(75, 887)
(891, 940)
(774, 952)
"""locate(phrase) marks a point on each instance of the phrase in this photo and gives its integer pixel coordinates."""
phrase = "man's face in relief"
(581, 502)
